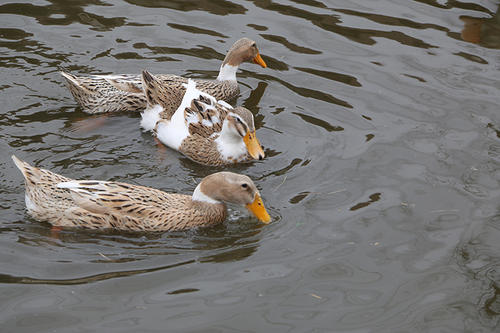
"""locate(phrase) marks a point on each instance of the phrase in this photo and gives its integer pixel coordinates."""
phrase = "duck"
(205, 130)
(95, 204)
(123, 92)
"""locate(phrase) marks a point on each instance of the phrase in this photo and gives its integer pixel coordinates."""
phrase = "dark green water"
(381, 124)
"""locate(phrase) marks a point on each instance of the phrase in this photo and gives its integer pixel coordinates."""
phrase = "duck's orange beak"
(258, 60)
(253, 146)
(257, 208)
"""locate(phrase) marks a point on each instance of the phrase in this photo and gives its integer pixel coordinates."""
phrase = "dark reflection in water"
(71, 11)
(485, 32)
(86, 279)
(219, 7)
(380, 125)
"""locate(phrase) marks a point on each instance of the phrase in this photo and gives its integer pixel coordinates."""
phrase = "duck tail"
(30, 173)
(74, 83)
(151, 86)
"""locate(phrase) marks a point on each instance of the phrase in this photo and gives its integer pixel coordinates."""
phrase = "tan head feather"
(243, 50)
(237, 189)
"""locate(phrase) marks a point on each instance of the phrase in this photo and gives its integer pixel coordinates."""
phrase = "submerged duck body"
(123, 92)
(94, 204)
(206, 130)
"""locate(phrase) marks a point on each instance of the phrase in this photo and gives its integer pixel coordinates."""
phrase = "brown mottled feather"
(214, 116)
(204, 150)
(124, 92)
(101, 204)
(99, 94)
(204, 118)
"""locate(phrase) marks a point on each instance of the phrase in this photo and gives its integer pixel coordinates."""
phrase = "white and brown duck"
(206, 130)
(94, 204)
(123, 92)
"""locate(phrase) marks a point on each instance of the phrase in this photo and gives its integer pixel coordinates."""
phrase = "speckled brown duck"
(123, 92)
(95, 204)
(207, 131)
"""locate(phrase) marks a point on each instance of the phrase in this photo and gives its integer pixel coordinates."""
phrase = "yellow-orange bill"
(253, 146)
(258, 60)
(258, 209)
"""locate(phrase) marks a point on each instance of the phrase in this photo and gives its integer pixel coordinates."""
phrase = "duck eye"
(244, 185)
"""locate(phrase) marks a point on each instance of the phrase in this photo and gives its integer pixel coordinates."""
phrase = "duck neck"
(227, 72)
(209, 211)
(199, 196)
(230, 145)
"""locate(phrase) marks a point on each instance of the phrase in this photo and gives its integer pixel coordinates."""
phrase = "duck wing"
(205, 116)
(121, 199)
(165, 90)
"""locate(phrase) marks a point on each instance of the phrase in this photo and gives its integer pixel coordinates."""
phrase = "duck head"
(243, 50)
(238, 130)
(232, 188)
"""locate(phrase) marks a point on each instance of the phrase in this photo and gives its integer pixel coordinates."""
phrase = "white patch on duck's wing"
(85, 194)
(120, 77)
(30, 204)
(225, 104)
(206, 122)
(173, 132)
(215, 119)
(192, 118)
(150, 117)
(89, 187)
(209, 107)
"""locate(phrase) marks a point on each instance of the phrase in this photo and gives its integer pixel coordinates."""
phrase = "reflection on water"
(381, 131)
(485, 32)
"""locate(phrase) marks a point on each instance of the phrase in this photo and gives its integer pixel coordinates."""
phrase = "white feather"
(206, 122)
(230, 143)
(80, 188)
(192, 118)
(215, 119)
(122, 77)
(198, 195)
(224, 104)
(227, 73)
(172, 133)
(69, 185)
(150, 117)
(30, 205)
(210, 107)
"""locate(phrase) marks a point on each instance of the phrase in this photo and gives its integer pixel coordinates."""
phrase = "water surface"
(380, 121)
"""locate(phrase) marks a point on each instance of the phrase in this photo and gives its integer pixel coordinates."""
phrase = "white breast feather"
(229, 149)
(229, 144)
